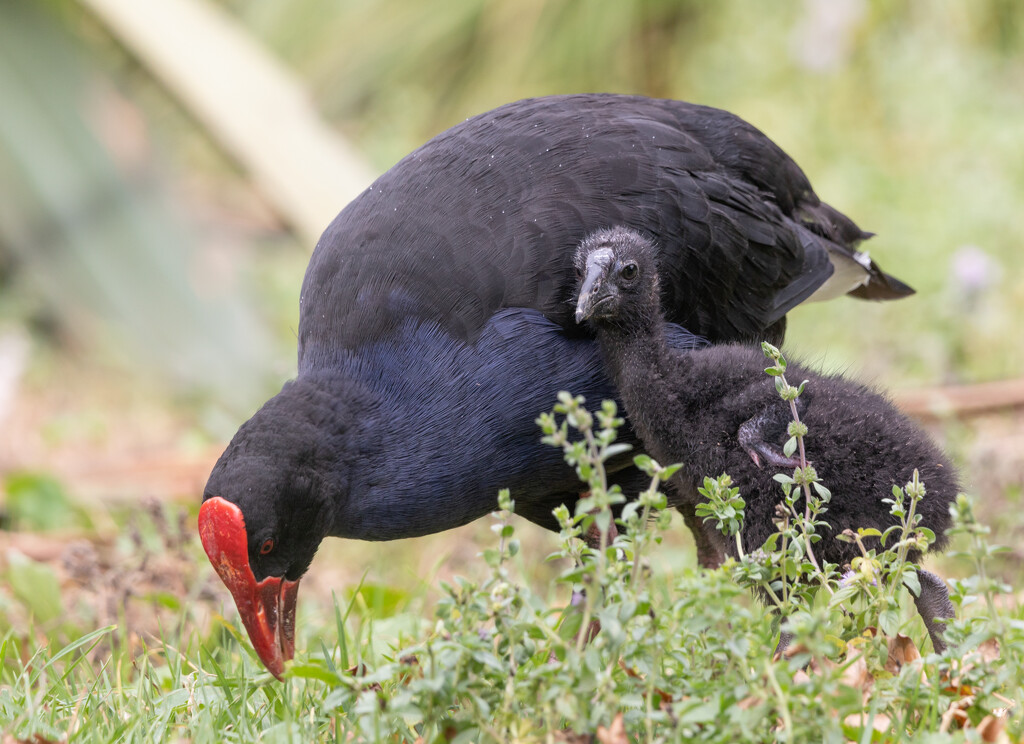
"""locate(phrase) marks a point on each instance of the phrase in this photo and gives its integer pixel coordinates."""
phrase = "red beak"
(267, 607)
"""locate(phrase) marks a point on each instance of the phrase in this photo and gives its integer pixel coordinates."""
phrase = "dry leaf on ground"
(614, 734)
(902, 651)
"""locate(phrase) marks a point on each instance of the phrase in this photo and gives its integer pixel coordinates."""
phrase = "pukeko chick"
(436, 323)
(715, 411)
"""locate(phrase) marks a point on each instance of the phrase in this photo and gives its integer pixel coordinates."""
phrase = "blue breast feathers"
(462, 415)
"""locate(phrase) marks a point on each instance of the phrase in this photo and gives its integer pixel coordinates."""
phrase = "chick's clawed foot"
(593, 536)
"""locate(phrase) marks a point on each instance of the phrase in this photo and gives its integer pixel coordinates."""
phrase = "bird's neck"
(646, 370)
(423, 457)
(638, 344)
(357, 438)
(340, 431)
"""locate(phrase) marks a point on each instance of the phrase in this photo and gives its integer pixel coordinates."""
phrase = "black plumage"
(487, 214)
(716, 411)
(436, 314)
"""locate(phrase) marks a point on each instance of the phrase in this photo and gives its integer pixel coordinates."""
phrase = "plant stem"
(785, 576)
(908, 528)
(771, 593)
(807, 494)
(979, 562)
(787, 722)
(597, 460)
(639, 538)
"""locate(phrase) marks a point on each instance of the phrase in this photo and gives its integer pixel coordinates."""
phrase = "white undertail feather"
(850, 272)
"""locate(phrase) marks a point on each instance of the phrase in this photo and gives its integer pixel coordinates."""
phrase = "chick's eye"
(267, 546)
(629, 271)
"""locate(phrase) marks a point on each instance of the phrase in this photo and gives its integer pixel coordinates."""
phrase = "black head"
(619, 276)
(280, 470)
(269, 502)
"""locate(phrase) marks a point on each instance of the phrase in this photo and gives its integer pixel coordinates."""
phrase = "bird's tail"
(844, 237)
(881, 286)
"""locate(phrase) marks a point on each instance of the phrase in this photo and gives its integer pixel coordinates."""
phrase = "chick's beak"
(593, 290)
(267, 607)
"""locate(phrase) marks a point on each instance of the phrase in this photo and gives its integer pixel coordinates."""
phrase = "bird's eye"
(267, 546)
(629, 271)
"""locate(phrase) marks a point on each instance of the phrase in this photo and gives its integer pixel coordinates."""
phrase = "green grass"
(458, 672)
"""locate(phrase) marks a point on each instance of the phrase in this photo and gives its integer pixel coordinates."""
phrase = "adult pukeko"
(437, 322)
(716, 411)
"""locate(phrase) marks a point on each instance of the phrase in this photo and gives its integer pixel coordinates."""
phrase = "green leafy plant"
(687, 662)
(613, 650)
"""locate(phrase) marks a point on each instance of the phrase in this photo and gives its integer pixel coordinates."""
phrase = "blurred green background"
(149, 288)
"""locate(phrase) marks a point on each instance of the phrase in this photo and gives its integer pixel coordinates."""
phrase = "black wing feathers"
(488, 214)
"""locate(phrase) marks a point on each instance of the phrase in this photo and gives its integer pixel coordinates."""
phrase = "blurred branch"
(961, 400)
(94, 236)
(248, 102)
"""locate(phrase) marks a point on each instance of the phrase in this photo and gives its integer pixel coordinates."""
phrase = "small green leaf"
(697, 712)
(383, 601)
(670, 470)
(572, 621)
(889, 622)
(843, 595)
(617, 449)
(492, 557)
(911, 581)
(895, 529)
(35, 585)
(646, 464)
(36, 502)
(789, 447)
(313, 671)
